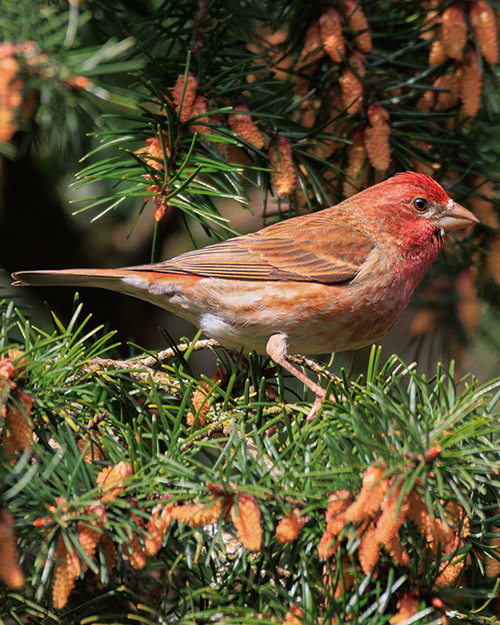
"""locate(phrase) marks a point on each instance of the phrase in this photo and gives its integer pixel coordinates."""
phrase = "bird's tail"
(152, 286)
(102, 278)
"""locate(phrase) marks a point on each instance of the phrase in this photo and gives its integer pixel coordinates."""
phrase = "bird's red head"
(413, 205)
(426, 185)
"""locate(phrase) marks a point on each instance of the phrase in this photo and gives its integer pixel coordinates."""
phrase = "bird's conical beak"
(456, 217)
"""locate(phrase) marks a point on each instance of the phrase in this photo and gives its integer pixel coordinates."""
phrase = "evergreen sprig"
(137, 490)
(437, 438)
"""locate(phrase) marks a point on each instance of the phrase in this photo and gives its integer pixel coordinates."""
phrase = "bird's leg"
(276, 348)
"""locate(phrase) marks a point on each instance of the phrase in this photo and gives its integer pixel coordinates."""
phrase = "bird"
(334, 280)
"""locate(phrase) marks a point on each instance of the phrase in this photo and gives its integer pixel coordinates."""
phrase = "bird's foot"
(315, 408)
(320, 397)
(277, 350)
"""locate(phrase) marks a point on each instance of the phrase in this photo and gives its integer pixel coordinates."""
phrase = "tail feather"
(103, 278)
(157, 288)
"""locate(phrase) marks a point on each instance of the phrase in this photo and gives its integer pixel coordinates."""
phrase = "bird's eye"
(420, 204)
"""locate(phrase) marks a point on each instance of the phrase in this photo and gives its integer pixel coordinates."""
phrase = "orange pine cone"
(434, 530)
(338, 502)
(279, 60)
(243, 125)
(18, 434)
(198, 514)
(358, 24)
(10, 572)
(201, 404)
(92, 452)
(450, 572)
(190, 513)
(431, 20)
(397, 551)
(370, 497)
(109, 550)
(294, 616)
(157, 528)
(344, 580)
(407, 607)
(236, 155)
(134, 551)
(308, 111)
(324, 148)
(10, 93)
(153, 153)
(327, 545)
(111, 480)
(437, 54)
(199, 108)
(89, 538)
(309, 56)
(376, 138)
(154, 158)
(184, 97)
(392, 517)
(357, 169)
(368, 550)
(483, 20)
(472, 85)
(426, 101)
(454, 31)
(246, 520)
(451, 84)
(331, 34)
(288, 528)
(284, 177)
(351, 87)
(6, 374)
(313, 46)
(20, 364)
(65, 574)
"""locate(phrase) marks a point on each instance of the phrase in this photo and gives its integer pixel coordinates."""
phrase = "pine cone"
(111, 479)
(358, 24)
(288, 529)
(65, 574)
(10, 572)
(184, 97)
(18, 434)
(454, 31)
(376, 138)
(483, 20)
(246, 520)
(331, 34)
(437, 54)
(369, 549)
(243, 125)
(472, 85)
(351, 87)
(284, 178)
(10, 91)
(357, 169)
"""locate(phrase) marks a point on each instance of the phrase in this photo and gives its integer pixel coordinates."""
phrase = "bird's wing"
(311, 250)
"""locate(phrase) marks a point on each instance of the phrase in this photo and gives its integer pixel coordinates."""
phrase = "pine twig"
(136, 371)
(313, 366)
